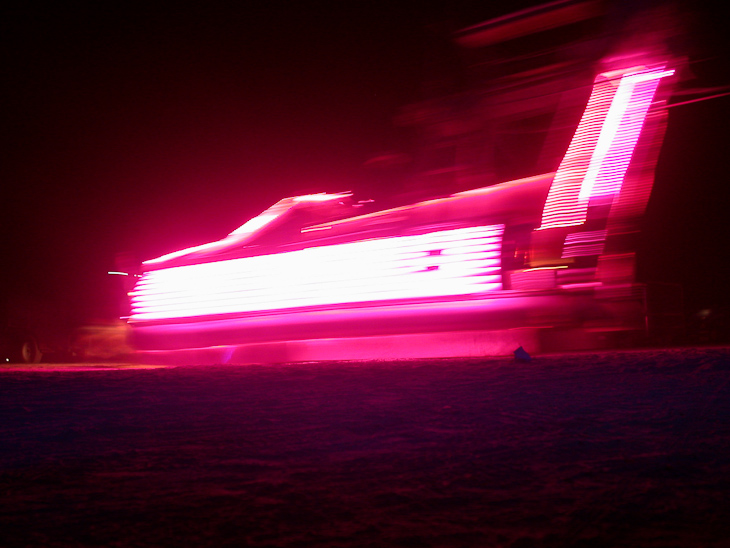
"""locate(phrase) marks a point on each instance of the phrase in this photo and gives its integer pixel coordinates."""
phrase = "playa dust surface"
(599, 449)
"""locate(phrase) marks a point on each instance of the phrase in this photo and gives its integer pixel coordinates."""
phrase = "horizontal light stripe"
(462, 261)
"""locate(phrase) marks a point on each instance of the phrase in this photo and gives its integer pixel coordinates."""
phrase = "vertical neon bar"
(599, 154)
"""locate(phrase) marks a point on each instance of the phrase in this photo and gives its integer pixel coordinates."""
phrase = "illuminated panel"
(599, 154)
(454, 262)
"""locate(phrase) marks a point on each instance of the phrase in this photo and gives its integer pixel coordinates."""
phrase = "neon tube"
(453, 262)
(599, 154)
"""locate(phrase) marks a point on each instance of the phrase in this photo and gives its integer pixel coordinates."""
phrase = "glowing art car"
(476, 272)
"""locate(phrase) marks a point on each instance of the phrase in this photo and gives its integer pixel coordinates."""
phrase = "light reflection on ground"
(91, 366)
(624, 448)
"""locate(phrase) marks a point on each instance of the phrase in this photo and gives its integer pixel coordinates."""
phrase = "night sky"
(146, 128)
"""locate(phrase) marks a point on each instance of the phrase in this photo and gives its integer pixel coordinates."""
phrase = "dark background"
(147, 128)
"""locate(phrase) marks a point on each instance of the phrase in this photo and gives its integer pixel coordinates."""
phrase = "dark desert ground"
(626, 448)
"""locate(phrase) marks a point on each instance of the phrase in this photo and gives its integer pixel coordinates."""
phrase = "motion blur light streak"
(321, 197)
(621, 130)
(582, 244)
(443, 263)
(563, 207)
(600, 152)
(313, 272)
(250, 227)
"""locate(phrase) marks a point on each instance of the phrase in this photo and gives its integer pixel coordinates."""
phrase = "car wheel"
(28, 351)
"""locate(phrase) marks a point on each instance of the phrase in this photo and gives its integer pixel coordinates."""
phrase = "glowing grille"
(453, 262)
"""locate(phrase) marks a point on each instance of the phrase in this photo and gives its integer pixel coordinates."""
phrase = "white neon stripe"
(600, 152)
(443, 263)
(608, 134)
(563, 207)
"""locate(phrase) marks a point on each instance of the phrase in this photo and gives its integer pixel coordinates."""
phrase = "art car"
(533, 261)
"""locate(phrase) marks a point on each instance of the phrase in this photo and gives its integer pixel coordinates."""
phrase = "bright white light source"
(453, 262)
(600, 152)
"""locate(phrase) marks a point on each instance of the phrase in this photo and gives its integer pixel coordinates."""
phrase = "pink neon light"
(250, 227)
(581, 244)
(621, 130)
(599, 154)
(321, 197)
(454, 262)
(562, 207)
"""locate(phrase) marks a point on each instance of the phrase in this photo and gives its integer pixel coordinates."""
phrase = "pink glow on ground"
(454, 262)
(599, 154)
